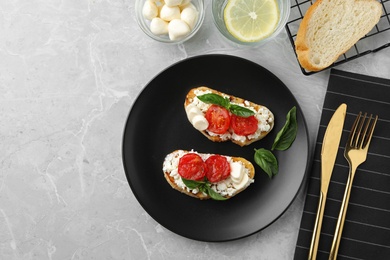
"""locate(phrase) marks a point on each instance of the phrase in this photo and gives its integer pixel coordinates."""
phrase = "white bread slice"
(331, 27)
(170, 165)
(240, 140)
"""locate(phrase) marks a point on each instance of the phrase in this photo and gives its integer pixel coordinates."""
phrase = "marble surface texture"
(69, 73)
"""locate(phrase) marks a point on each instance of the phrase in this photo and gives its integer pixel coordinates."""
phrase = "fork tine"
(358, 140)
(371, 131)
(363, 137)
(359, 137)
(351, 137)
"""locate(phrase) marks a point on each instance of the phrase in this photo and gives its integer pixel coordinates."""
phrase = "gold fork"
(355, 153)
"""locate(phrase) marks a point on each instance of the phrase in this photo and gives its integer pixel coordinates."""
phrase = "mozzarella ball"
(184, 2)
(200, 122)
(177, 29)
(190, 16)
(168, 13)
(189, 4)
(158, 2)
(149, 10)
(158, 26)
(173, 2)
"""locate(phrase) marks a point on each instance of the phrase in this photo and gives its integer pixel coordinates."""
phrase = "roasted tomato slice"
(218, 118)
(192, 167)
(218, 168)
(244, 125)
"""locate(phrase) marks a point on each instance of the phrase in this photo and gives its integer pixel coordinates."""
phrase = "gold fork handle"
(317, 228)
(343, 212)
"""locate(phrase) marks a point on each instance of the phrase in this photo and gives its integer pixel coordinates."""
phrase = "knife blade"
(330, 146)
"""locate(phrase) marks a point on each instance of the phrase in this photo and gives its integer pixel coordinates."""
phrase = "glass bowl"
(144, 23)
(218, 7)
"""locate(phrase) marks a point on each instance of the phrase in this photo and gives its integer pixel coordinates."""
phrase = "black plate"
(157, 125)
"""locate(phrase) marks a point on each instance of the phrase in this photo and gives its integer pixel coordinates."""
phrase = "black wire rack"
(372, 42)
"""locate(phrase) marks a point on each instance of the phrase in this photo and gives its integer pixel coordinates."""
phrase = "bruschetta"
(222, 117)
(206, 176)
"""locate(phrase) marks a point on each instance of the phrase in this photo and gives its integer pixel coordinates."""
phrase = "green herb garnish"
(203, 186)
(213, 194)
(192, 184)
(267, 161)
(287, 134)
(283, 140)
(215, 99)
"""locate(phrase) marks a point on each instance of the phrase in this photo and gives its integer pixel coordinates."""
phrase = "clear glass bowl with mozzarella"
(170, 21)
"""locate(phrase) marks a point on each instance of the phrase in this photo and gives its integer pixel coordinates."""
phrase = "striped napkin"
(366, 232)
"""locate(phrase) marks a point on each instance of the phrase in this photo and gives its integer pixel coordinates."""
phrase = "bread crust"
(301, 47)
(302, 41)
(200, 195)
(216, 138)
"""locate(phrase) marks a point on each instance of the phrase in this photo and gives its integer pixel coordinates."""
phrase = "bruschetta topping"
(223, 174)
(192, 167)
(218, 121)
(214, 169)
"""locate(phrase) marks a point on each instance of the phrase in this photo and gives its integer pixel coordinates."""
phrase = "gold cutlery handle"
(317, 227)
(343, 212)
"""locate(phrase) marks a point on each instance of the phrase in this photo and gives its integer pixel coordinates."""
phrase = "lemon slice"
(251, 20)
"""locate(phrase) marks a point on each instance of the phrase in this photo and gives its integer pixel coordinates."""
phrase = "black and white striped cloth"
(366, 232)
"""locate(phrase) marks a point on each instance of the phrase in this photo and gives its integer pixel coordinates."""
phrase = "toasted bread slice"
(226, 188)
(262, 113)
(331, 27)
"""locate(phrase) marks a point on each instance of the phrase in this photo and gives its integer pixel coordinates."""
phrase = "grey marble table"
(69, 73)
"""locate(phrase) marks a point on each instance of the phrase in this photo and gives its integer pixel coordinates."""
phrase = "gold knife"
(330, 146)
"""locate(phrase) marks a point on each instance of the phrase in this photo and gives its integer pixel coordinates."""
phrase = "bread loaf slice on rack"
(331, 27)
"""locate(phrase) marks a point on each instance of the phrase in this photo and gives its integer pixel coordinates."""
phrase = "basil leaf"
(211, 98)
(192, 184)
(267, 161)
(287, 134)
(203, 187)
(240, 111)
(213, 194)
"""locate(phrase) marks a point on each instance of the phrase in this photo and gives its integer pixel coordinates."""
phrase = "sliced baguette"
(240, 140)
(170, 166)
(331, 27)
